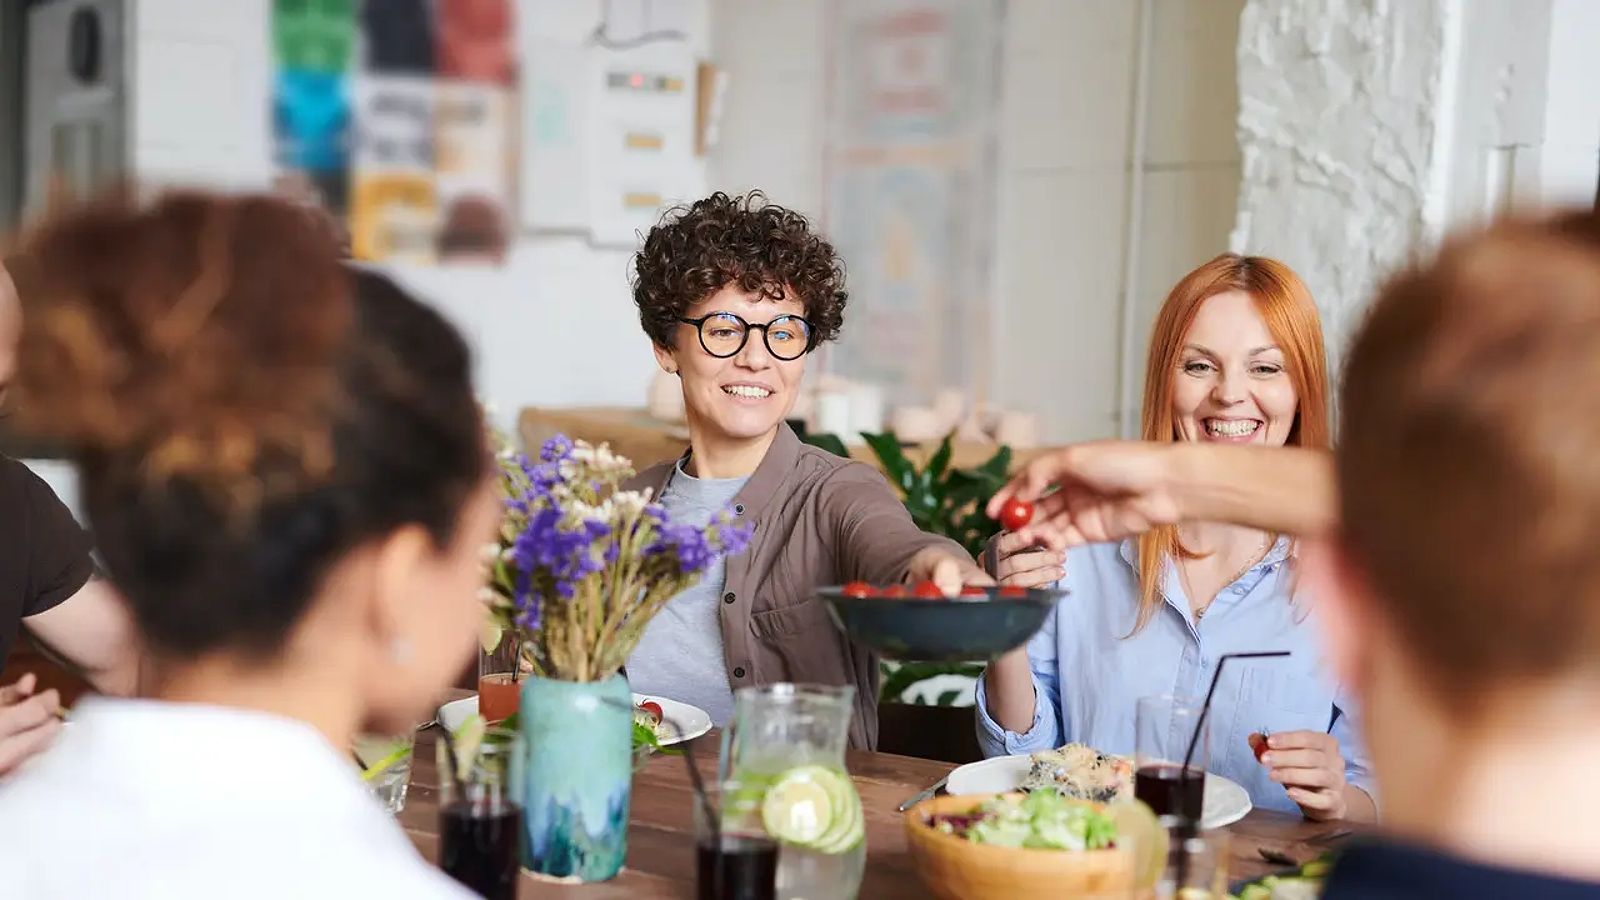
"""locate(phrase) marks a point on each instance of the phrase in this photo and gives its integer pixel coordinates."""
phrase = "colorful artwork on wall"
(398, 114)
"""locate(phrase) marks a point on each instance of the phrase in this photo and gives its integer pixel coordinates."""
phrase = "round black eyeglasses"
(724, 334)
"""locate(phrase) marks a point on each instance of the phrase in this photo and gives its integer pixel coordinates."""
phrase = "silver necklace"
(1183, 574)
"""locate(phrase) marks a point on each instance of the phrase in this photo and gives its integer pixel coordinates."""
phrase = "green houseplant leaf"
(829, 442)
(901, 472)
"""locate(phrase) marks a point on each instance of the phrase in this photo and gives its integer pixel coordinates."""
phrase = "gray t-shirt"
(680, 654)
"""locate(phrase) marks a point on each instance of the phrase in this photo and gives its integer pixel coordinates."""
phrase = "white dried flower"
(630, 503)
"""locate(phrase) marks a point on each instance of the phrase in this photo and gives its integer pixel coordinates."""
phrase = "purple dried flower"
(556, 449)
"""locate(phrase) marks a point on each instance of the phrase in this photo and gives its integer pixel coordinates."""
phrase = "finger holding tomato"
(1023, 563)
(948, 572)
(1311, 769)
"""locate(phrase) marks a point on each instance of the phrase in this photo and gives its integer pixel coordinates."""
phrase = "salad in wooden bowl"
(1033, 846)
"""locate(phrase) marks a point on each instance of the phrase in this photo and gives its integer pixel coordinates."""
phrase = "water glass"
(386, 766)
(499, 692)
(480, 812)
(734, 857)
(1197, 862)
(1163, 727)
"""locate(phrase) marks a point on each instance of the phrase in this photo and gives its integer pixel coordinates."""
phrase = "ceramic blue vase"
(580, 772)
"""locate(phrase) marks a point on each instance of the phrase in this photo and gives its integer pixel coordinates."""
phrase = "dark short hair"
(245, 409)
(699, 249)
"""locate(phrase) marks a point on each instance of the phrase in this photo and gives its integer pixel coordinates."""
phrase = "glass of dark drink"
(480, 812)
(734, 857)
(1164, 725)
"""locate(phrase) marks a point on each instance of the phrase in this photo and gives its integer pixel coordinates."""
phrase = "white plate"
(1226, 801)
(690, 721)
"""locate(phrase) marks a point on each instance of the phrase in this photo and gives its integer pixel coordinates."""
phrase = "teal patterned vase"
(580, 772)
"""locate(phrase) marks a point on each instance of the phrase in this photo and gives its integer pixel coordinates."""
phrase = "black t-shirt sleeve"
(59, 561)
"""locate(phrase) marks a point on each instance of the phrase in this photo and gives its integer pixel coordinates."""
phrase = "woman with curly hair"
(734, 293)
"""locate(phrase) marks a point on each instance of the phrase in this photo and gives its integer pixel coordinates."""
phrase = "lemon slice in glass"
(798, 808)
(1139, 829)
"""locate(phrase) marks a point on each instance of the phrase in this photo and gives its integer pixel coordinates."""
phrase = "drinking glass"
(1163, 727)
(1197, 862)
(499, 692)
(386, 766)
(734, 857)
(480, 812)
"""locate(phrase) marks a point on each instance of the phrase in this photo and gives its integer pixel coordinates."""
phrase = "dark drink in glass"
(481, 786)
(478, 847)
(1162, 787)
(736, 867)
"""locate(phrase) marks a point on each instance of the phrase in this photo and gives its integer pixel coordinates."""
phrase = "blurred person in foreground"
(287, 476)
(47, 586)
(735, 293)
(1236, 357)
(1452, 542)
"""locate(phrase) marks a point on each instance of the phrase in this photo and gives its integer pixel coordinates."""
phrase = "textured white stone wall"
(1369, 127)
(1344, 139)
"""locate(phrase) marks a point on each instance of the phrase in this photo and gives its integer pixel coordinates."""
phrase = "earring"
(400, 651)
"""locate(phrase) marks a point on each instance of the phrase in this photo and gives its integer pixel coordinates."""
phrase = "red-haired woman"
(1236, 357)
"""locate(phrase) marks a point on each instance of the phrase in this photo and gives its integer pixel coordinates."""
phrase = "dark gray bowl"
(946, 630)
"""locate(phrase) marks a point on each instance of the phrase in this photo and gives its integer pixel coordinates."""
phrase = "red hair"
(1291, 317)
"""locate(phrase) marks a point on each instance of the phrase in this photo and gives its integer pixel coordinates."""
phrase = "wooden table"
(660, 860)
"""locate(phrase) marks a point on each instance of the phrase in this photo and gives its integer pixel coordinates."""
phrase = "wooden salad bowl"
(954, 868)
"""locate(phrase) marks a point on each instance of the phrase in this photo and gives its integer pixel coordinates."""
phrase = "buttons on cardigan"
(728, 597)
(738, 672)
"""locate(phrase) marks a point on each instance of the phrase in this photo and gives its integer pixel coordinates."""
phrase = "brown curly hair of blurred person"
(700, 248)
(162, 329)
(244, 409)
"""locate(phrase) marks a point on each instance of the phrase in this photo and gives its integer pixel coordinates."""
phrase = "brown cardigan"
(819, 520)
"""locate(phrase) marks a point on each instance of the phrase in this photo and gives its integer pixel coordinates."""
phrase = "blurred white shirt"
(143, 799)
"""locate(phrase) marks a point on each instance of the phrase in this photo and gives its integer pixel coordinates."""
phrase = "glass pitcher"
(783, 759)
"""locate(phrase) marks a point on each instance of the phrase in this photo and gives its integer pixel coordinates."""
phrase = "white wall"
(1067, 90)
(555, 326)
(1369, 131)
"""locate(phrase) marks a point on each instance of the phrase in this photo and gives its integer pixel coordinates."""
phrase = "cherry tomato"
(859, 590)
(893, 590)
(653, 708)
(1016, 514)
(927, 590)
(1012, 590)
(973, 590)
(1258, 744)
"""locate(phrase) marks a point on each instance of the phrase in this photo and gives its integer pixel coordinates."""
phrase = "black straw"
(698, 783)
(695, 781)
(1205, 708)
(1186, 825)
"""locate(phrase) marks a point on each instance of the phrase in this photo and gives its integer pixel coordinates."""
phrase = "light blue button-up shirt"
(1088, 674)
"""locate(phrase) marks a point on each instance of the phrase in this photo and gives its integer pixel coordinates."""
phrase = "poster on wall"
(912, 178)
(399, 113)
(642, 154)
(608, 119)
(313, 45)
